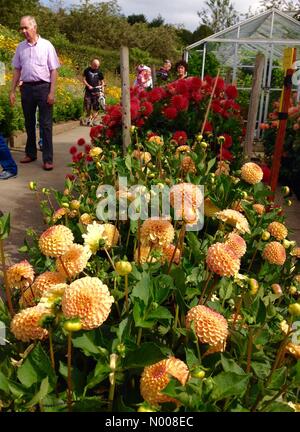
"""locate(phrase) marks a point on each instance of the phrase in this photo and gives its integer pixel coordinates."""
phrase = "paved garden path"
(20, 202)
(16, 198)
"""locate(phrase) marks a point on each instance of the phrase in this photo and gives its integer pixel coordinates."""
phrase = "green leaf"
(4, 383)
(229, 365)
(99, 374)
(210, 164)
(36, 367)
(4, 226)
(278, 407)
(194, 244)
(39, 396)
(229, 384)
(261, 370)
(163, 284)
(191, 358)
(128, 161)
(159, 314)
(142, 288)
(121, 328)
(89, 404)
(87, 342)
(145, 355)
(278, 379)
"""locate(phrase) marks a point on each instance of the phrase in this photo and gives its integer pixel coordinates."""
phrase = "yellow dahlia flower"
(25, 325)
(237, 244)
(156, 233)
(209, 208)
(210, 327)
(277, 230)
(156, 378)
(156, 140)
(89, 300)
(274, 253)
(296, 252)
(145, 157)
(223, 168)
(74, 261)
(56, 240)
(251, 173)
(110, 235)
(86, 219)
(221, 259)
(235, 219)
(182, 149)
(94, 237)
(259, 208)
(20, 275)
(58, 214)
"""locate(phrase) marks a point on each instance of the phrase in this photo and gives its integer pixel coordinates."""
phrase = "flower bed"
(155, 314)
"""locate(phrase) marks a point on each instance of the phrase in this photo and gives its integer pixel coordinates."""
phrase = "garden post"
(254, 102)
(126, 118)
(283, 118)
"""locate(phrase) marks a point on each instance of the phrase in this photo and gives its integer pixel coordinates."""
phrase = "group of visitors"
(35, 72)
(164, 74)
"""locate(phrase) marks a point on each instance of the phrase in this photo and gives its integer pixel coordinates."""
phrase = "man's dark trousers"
(35, 95)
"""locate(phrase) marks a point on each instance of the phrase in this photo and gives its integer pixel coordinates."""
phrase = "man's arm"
(15, 80)
(87, 84)
(53, 78)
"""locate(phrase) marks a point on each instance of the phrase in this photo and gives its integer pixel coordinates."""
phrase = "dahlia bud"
(244, 195)
(198, 373)
(133, 129)
(286, 243)
(294, 309)
(289, 203)
(204, 145)
(123, 268)
(32, 185)
(74, 204)
(221, 139)
(145, 408)
(253, 286)
(265, 235)
(199, 137)
(285, 190)
(66, 192)
(276, 288)
(72, 325)
(65, 204)
(292, 290)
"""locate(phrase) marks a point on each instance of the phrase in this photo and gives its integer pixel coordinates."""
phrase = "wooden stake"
(126, 117)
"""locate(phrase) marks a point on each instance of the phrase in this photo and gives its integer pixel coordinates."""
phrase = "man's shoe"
(27, 159)
(5, 175)
(48, 166)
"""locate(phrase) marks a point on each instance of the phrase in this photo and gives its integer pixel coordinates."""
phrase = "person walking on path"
(94, 91)
(7, 162)
(35, 63)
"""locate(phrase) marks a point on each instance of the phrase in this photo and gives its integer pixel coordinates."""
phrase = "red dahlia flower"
(228, 140)
(180, 137)
(226, 155)
(194, 83)
(155, 95)
(81, 142)
(180, 102)
(170, 112)
(73, 150)
(95, 132)
(146, 108)
(231, 92)
(208, 127)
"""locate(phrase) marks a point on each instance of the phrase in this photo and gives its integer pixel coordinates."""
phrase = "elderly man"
(35, 64)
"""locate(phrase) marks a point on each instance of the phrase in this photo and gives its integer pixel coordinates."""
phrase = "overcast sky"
(173, 11)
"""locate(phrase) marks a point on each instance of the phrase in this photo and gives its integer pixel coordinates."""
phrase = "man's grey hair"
(31, 19)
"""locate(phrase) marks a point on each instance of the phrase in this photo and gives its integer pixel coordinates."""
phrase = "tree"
(283, 5)
(12, 11)
(186, 36)
(157, 22)
(139, 18)
(201, 32)
(218, 14)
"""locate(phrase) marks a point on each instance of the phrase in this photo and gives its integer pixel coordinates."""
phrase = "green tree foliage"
(136, 18)
(218, 14)
(157, 22)
(11, 11)
(201, 32)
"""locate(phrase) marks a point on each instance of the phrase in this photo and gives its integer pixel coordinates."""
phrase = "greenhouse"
(236, 48)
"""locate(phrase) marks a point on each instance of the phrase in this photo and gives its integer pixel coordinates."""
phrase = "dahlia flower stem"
(109, 258)
(211, 290)
(249, 350)
(112, 387)
(177, 246)
(126, 293)
(128, 237)
(139, 241)
(51, 349)
(209, 276)
(198, 349)
(69, 391)
(139, 336)
(7, 290)
(64, 267)
(237, 311)
(253, 257)
(175, 322)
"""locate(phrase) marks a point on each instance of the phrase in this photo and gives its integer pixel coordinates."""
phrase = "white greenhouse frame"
(269, 33)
